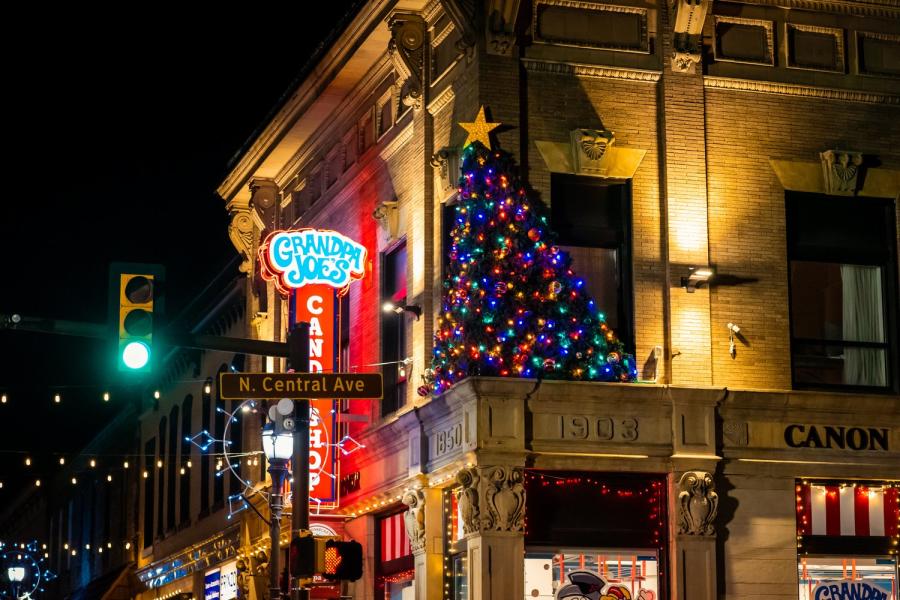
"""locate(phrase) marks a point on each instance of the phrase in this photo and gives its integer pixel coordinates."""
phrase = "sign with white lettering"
(297, 258)
(849, 590)
(211, 585)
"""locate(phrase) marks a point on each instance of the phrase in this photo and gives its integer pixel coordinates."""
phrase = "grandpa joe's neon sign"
(299, 257)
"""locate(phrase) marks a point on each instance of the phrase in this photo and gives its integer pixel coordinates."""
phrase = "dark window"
(219, 479)
(236, 435)
(393, 329)
(149, 469)
(204, 457)
(171, 465)
(160, 474)
(592, 220)
(184, 496)
(843, 288)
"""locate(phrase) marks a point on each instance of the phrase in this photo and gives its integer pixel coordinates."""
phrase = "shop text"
(843, 438)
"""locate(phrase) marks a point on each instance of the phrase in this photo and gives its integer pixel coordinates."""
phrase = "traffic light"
(343, 561)
(329, 557)
(135, 306)
(302, 557)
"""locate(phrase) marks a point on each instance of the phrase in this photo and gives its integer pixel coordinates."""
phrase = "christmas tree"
(512, 305)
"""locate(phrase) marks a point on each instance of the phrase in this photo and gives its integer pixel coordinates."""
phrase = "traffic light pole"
(298, 347)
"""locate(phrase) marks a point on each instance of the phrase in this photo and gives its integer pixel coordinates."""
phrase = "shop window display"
(615, 573)
(847, 540)
(456, 574)
(395, 574)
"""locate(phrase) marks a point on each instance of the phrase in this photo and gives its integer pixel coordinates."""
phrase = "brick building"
(758, 455)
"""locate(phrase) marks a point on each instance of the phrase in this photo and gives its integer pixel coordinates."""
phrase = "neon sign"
(300, 257)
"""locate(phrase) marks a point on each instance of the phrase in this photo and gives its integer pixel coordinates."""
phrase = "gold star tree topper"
(480, 130)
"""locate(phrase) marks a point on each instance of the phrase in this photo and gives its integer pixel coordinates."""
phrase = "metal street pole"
(278, 471)
(298, 357)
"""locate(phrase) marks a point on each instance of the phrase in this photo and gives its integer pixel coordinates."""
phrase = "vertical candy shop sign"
(313, 268)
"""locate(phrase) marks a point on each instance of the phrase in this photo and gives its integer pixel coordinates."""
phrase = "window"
(204, 458)
(236, 448)
(611, 525)
(393, 329)
(171, 464)
(149, 469)
(846, 534)
(395, 571)
(843, 288)
(184, 495)
(219, 478)
(592, 220)
(160, 475)
(456, 572)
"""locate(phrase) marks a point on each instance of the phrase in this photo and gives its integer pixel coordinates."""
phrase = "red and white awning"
(394, 541)
(849, 510)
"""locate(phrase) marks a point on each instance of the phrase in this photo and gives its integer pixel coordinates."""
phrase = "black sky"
(118, 129)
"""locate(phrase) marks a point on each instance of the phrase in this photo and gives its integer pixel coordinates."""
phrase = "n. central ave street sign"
(244, 386)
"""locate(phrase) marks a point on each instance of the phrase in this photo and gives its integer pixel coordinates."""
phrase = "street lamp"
(16, 576)
(278, 445)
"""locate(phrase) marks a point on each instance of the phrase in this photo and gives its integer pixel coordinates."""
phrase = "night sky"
(116, 138)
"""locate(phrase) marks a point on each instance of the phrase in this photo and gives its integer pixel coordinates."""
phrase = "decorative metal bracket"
(407, 51)
(688, 19)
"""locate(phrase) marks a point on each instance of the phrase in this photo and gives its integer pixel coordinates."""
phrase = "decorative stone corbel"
(446, 165)
(492, 499)
(414, 519)
(589, 146)
(688, 18)
(841, 170)
(240, 230)
(407, 51)
(264, 196)
(501, 26)
(462, 14)
(387, 214)
(697, 504)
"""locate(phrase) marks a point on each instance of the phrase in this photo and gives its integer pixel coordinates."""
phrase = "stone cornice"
(590, 71)
(865, 8)
(806, 91)
(441, 101)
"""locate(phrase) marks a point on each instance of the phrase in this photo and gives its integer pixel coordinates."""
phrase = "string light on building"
(156, 394)
(3, 398)
(27, 461)
(62, 460)
(109, 477)
(57, 398)
(93, 463)
(106, 396)
(125, 465)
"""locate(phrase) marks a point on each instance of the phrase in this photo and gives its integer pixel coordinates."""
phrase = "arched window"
(184, 496)
(160, 475)
(149, 458)
(205, 459)
(171, 466)
(221, 474)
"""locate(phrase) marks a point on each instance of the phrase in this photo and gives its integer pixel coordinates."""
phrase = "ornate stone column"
(424, 525)
(694, 561)
(492, 507)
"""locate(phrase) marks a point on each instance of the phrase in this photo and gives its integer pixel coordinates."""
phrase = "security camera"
(733, 328)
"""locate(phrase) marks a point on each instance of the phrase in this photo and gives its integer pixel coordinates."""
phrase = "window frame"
(395, 392)
(625, 292)
(889, 288)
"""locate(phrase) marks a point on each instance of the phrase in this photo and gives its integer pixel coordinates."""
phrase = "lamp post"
(278, 446)
(16, 576)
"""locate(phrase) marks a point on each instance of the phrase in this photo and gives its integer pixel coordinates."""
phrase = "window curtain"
(863, 321)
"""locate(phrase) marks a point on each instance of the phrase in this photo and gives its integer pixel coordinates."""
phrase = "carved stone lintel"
(492, 499)
(698, 504)
(588, 149)
(387, 214)
(407, 51)
(414, 518)
(687, 28)
(446, 164)
(841, 170)
(240, 230)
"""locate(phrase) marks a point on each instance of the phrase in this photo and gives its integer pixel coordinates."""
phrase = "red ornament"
(549, 364)
(533, 234)
(423, 390)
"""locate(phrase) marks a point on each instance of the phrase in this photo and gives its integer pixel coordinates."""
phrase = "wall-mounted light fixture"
(733, 330)
(396, 308)
(697, 277)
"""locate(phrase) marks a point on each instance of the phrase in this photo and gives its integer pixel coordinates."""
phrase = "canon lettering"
(307, 256)
(854, 438)
(846, 590)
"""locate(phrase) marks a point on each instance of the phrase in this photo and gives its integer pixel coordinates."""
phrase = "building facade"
(725, 177)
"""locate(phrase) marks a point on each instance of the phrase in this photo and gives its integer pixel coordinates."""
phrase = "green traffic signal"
(134, 300)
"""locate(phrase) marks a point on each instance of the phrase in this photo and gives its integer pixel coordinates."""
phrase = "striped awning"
(848, 510)
(394, 542)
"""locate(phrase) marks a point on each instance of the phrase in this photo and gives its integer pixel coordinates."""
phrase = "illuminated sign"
(317, 305)
(849, 590)
(303, 257)
(211, 585)
(228, 587)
